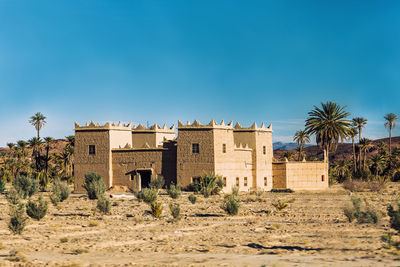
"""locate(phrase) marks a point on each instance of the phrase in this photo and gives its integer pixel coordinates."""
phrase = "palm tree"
(365, 145)
(71, 140)
(329, 124)
(390, 124)
(352, 134)
(359, 123)
(382, 146)
(301, 137)
(378, 164)
(288, 155)
(35, 143)
(49, 141)
(38, 120)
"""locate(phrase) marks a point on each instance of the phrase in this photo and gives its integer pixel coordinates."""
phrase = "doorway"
(145, 177)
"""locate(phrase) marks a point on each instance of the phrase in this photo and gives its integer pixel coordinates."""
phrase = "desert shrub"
(192, 198)
(157, 183)
(174, 191)
(148, 195)
(231, 205)
(18, 219)
(63, 239)
(210, 184)
(2, 185)
(104, 205)
(94, 185)
(364, 186)
(362, 214)
(16, 256)
(175, 210)
(193, 187)
(156, 208)
(44, 180)
(280, 205)
(394, 215)
(13, 196)
(258, 192)
(60, 192)
(388, 240)
(25, 186)
(235, 191)
(37, 209)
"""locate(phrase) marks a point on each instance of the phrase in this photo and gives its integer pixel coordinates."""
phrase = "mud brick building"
(130, 156)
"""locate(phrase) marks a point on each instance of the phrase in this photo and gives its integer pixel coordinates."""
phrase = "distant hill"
(56, 147)
(286, 146)
(343, 152)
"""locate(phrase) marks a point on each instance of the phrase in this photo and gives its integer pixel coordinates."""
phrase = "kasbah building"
(130, 157)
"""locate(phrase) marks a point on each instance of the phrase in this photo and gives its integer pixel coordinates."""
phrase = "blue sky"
(160, 61)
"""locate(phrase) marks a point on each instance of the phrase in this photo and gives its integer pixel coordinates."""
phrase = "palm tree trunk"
(354, 156)
(359, 148)
(390, 140)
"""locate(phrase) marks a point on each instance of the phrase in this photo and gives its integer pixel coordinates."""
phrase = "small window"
(92, 149)
(265, 181)
(196, 180)
(223, 148)
(245, 181)
(323, 178)
(195, 149)
(132, 177)
(224, 180)
(264, 150)
(237, 181)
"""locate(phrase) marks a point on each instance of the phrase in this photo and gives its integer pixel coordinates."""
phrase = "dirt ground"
(312, 231)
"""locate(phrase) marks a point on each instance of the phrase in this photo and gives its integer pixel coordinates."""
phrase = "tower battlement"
(107, 126)
(214, 125)
(154, 129)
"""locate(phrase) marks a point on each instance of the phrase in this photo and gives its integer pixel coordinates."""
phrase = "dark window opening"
(323, 178)
(264, 150)
(223, 148)
(145, 178)
(196, 180)
(92, 149)
(195, 148)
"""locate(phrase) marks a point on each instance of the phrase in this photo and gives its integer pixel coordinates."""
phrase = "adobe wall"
(301, 175)
(235, 163)
(194, 165)
(127, 160)
(84, 163)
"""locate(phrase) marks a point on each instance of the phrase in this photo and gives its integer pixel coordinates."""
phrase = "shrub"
(258, 192)
(63, 239)
(156, 208)
(394, 215)
(193, 187)
(17, 221)
(280, 205)
(60, 193)
(2, 185)
(364, 186)
(174, 191)
(231, 205)
(175, 210)
(94, 185)
(365, 215)
(235, 191)
(25, 186)
(148, 195)
(210, 184)
(37, 209)
(13, 197)
(157, 183)
(192, 198)
(104, 205)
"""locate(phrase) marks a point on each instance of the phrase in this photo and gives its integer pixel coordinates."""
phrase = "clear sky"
(160, 61)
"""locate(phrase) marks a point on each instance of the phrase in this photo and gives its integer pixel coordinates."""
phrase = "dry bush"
(63, 239)
(364, 186)
(2, 185)
(93, 223)
(192, 198)
(78, 251)
(13, 197)
(17, 221)
(394, 215)
(174, 191)
(94, 185)
(231, 204)
(280, 205)
(258, 192)
(148, 195)
(37, 209)
(363, 214)
(25, 186)
(156, 208)
(104, 205)
(175, 211)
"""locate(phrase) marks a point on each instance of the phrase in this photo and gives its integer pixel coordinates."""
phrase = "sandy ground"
(312, 232)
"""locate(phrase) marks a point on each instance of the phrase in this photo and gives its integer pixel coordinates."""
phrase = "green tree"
(38, 120)
(390, 124)
(359, 123)
(352, 133)
(330, 125)
(35, 143)
(365, 145)
(301, 137)
(49, 142)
